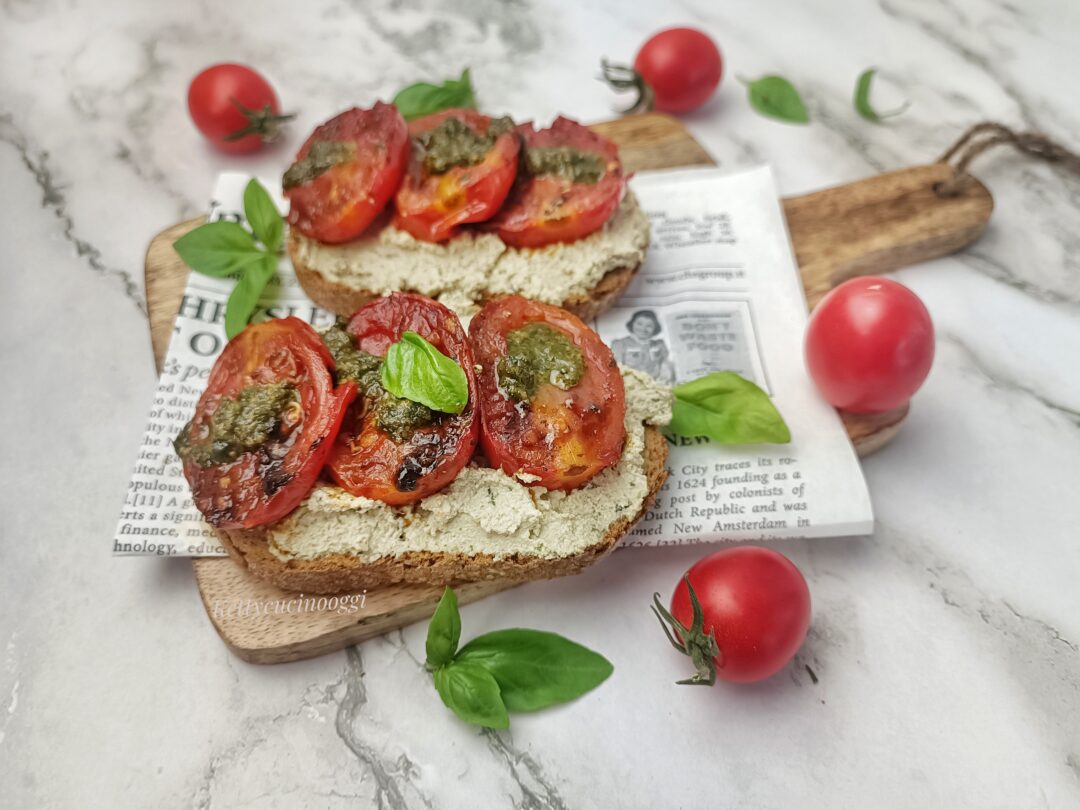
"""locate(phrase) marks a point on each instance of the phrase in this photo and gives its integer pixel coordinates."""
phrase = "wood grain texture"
(868, 227)
(263, 624)
(880, 224)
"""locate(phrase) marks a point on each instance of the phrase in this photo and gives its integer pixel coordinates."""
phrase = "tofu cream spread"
(483, 511)
(478, 265)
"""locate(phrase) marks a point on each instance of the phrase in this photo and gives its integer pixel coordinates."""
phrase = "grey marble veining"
(942, 667)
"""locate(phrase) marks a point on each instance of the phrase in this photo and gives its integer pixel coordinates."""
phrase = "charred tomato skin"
(367, 462)
(264, 484)
(549, 208)
(562, 437)
(431, 206)
(340, 202)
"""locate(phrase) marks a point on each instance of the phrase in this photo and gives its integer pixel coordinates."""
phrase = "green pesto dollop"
(400, 418)
(573, 164)
(239, 424)
(537, 354)
(321, 156)
(396, 417)
(352, 364)
(453, 143)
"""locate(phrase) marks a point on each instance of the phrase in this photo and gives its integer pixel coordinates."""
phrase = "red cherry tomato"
(869, 345)
(346, 172)
(368, 462)
(265, 483)
(755, 603)
(564, 437)
(431, 205)
(682, 66)
(235, 108)
(548, 208)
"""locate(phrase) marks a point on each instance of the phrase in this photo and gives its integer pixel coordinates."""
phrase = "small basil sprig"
(224, 248)
(776, 97)
(414, 369)
(862, 99)
(506, 671)
(423, 98)
(728, 409)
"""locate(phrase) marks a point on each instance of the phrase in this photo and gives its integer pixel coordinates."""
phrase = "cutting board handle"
(882, 223)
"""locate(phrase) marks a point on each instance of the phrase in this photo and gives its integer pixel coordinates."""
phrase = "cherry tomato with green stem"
(676, 71)
(235, 108)
(741, 614)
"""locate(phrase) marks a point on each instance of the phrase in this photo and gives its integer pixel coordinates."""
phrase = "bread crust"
(340, 573)
(344, 300)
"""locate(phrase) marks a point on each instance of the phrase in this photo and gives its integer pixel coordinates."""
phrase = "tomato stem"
(263, 123)
(692, 641)
(624, 77)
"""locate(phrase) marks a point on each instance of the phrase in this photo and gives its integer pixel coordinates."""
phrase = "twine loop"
(989, 134)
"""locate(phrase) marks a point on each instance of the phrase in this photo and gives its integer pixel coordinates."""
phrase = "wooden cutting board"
(868, 227)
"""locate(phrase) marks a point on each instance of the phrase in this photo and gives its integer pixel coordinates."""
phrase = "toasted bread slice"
(339, 573)
(343, 300)
(585, 277)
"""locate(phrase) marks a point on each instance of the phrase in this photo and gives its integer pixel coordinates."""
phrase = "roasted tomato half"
(570, 183)
(462, 166)
(265, 425)
(346, 173)
(391, 449)
(552, 397)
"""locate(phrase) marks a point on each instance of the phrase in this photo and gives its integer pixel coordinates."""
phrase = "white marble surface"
(945, 645)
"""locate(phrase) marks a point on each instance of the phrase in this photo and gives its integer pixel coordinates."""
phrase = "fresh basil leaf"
(444, 631)
(862, 99)
(535, 669)
(245, 295)
(728, 409)
(776, 97)
(218, 249)
(471, 692)
(262, 215)
(226, 248)
(414, 369)
(421, 99)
